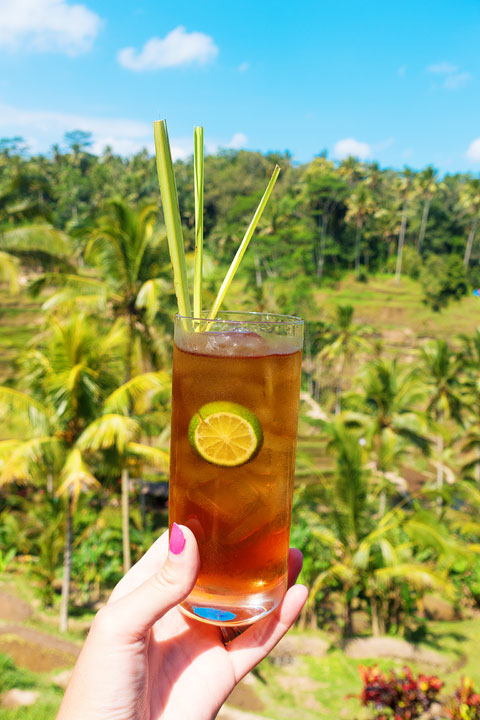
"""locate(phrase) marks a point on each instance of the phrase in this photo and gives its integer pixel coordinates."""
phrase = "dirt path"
(30, 648)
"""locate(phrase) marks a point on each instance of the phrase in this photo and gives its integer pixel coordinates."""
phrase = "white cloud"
(239, 140)
(43, 128)
(473, 152)
(452, 77)
(443, 68)
(47, 26)
(350, 146)
(177, 48)
(456, 80)
(243, 67)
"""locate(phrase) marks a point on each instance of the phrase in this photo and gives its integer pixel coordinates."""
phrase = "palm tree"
(387, 410)
(324, 190)
(369, 556)
(405, 191)
(65, 385)
(131, 258)
(360, 206)
(470, 204)
(439, 371)
(342, 340)
(469, 360)
(38, 243)
(426, 187)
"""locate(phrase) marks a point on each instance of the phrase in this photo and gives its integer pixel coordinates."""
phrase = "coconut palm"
(342, 340)
(469, 200)
(131, 261)
(439, 370)
(38, 244)
(406, 191)
(426, 188)
(66, 383)
(370, 556)
(360, 206)
(386, 406)
(323, 190)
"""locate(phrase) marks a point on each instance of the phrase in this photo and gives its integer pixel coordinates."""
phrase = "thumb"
(134, 614)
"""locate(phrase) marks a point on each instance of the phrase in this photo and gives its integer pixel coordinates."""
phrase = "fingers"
(149, 564)
(295, 562)
(132, 615)
(248, 649)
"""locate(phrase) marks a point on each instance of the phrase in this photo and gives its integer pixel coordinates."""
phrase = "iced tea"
(240, 379)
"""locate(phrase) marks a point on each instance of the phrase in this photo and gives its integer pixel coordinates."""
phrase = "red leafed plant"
(465, 704)
(399, 696)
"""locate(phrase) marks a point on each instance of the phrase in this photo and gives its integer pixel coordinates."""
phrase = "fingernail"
(177, 540)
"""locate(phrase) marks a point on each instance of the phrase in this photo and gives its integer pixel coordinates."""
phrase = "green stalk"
(243, 245)
(198, 171)
(171, 213)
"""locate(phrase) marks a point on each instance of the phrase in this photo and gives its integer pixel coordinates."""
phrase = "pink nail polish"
(177, 540)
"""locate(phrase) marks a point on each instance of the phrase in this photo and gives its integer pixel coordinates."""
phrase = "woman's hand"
(144, 660)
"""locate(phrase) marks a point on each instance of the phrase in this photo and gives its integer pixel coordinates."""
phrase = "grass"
(388, 308)
(14, 677)
(20, 318)
(326, 686)
(334, 681)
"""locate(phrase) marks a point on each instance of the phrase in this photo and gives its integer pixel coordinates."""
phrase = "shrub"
(443, 279)
(465, 704)
(398, 696)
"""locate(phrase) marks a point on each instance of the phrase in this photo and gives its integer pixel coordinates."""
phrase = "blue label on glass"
(213, 614)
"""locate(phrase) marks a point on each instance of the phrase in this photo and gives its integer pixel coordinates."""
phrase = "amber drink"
(236, 384)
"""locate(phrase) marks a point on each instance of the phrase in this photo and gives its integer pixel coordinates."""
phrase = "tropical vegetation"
(387, 484)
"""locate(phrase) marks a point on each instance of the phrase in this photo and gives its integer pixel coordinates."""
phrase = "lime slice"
(225, 433)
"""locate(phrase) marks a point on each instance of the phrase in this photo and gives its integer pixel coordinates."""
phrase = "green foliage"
(443, 279)
(13, 677)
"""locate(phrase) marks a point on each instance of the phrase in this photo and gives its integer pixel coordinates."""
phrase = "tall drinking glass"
(236, 383)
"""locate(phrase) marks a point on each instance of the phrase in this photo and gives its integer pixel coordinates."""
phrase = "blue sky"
(398, 83)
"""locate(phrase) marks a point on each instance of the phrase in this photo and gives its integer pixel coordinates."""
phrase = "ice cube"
(219, 500)
(236, 343)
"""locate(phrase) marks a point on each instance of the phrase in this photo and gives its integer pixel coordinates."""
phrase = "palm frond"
(22, 402)
(139, 388)
(29, 460)
(76, 476)
(9, 272)
(416, 575)
(152, 456)
(40, 237)
(149, 295)
(109, 431)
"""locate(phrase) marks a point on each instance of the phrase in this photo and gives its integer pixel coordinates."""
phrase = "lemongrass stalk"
(171, 214)
(243, 246)
(198, 173)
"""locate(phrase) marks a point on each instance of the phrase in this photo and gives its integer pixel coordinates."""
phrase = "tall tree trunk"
(67, 564)
(125, 475)
(423, 226)
(323, 238)
(126, 521)
(471, 238)
(401, 241)
(348, 619)
(375, 616)
(309, 360)
(440, 473)
(357, 247)
(50, 483)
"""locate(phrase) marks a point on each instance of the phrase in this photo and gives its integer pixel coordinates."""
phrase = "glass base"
(232, 610)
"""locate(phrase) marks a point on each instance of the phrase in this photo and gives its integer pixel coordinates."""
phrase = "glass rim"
(256, 316)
